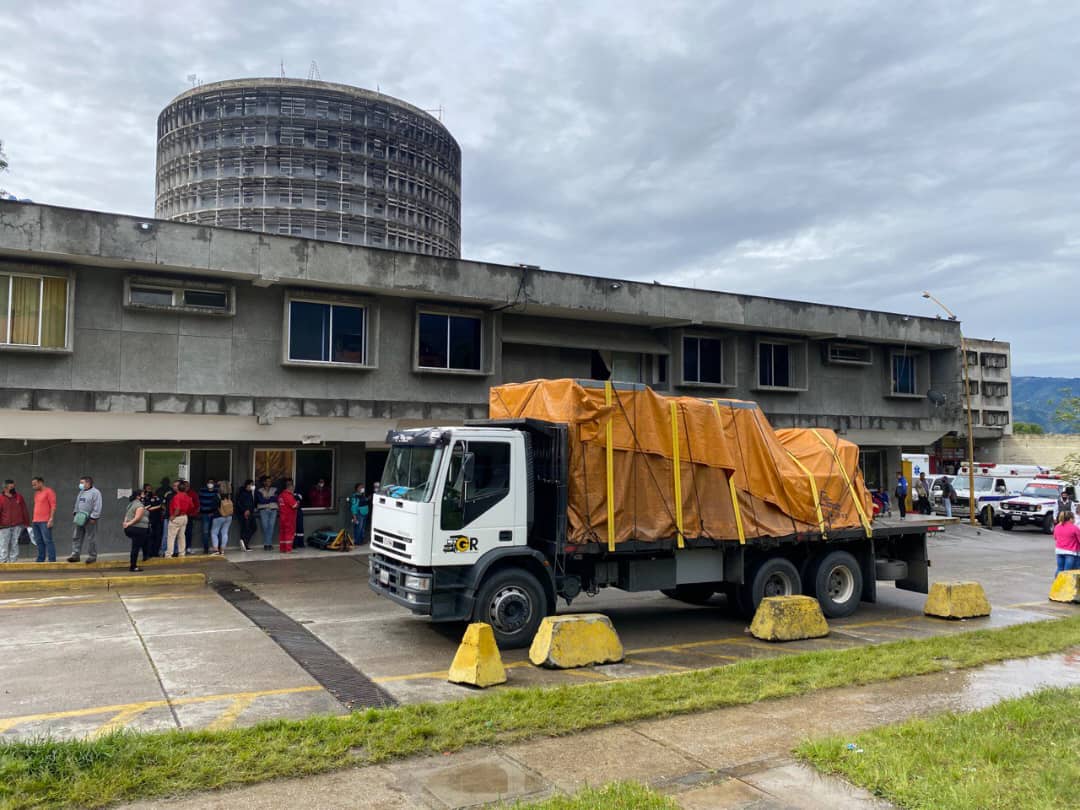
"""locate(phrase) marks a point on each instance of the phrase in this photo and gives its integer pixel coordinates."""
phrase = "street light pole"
(967, 402)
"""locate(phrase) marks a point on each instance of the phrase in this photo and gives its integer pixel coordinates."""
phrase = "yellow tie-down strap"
(734, 493)
(676, 473)
(847, 479)
(817, 496)
(609, 458)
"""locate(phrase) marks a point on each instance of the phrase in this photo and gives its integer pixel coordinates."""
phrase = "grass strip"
(1023, 752)
(613, 796)
(129, 765)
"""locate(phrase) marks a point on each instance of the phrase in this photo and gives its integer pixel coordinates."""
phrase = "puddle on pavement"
(996, 682)
(487, 779)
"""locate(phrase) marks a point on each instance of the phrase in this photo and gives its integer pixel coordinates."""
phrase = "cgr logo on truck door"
(459, 544)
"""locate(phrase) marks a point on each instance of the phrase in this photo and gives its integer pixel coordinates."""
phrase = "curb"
(101, 565)
(105, 582)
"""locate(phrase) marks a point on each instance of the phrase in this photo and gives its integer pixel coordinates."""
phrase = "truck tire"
(513, 603)
(1048, 523)
(773, 576)
(986, 517)
(838, 583)
(692, 594)
(1006, 523)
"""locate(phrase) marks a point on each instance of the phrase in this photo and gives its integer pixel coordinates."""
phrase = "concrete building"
(153, 347)
(311, 159)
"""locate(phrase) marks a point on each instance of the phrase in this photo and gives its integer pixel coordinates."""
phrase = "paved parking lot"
(86, 662)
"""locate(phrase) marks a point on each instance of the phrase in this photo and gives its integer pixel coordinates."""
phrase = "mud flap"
(868, 567)
(911, 548)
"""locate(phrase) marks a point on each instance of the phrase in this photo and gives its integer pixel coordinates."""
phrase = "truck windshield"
(410, 472)
(983, 483)
(1040, 491)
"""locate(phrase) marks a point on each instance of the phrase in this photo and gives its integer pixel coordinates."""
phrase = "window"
(321, 137)
(292, 105)
(287, 229)
(293, 197)
(344, 235)
(904, 380)
(160, 467)
(346, 112)
(306, 466)
(322, 108)
(346, 172)
(320, 231)
(995, 418)
(320, 169)
(466, 500)
(703, 360)
(157, 294)
(346, 203)
(994, 360)
(33, 311)
(292, 136)
(972, 358)
(995, 389)
(451, 342)
(327, 333)
(320, 199)
(774, 365)
(291, 166)
(853, 354)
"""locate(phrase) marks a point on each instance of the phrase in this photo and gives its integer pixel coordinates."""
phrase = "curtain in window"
(4, 282)
(25, 310)
(54, 313)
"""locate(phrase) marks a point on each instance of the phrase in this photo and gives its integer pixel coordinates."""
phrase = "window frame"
(727, 361)
(798, 373)
(69, 311)
(177, 287)
(295, 449)
(187, 450)
(841, 361)
(371, 330)
(486, 349)
(915, 359)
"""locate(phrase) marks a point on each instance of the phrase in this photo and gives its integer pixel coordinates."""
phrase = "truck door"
(476, 511)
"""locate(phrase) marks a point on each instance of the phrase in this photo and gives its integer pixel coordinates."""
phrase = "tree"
(1069, 469)
(1029, 428)
(1067, 412)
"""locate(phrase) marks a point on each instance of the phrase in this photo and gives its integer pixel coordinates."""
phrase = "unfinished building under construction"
(311, 159)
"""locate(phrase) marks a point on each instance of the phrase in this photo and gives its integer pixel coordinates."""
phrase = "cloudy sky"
(846, 152)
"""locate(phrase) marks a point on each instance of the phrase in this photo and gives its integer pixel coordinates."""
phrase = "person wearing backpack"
(948, 495)
(359, 509)
(219, 527)
(901, 494)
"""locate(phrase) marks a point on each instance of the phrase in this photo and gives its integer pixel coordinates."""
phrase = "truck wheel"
(1006, 523)
(513, 603)
(692, 594)
(838, 584)
(774, 576)
(987, 517)
(1048, 523)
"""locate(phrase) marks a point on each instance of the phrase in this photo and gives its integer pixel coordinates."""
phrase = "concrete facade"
(135, 376)
(313, 159)
(990, 374)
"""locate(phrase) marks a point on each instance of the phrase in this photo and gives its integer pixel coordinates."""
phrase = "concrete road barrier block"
(957, 600)
(788, 618)
(477, 662)
(1066, 587)
(575, 640)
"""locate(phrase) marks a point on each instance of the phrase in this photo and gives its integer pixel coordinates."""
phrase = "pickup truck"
(990, 492)
(496, 520)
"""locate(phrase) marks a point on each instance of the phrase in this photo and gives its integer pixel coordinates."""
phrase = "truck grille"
(394, 543)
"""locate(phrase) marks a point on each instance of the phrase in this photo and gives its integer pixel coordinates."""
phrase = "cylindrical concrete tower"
(313, 159)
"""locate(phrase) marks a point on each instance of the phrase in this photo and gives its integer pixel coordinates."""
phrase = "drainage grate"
(340, 678)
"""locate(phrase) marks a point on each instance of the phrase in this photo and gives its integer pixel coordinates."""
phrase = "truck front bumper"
(439, 593)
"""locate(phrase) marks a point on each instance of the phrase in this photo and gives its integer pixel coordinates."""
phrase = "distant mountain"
(1035, 399)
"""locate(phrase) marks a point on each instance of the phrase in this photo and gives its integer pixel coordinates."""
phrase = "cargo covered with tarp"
(677, 468)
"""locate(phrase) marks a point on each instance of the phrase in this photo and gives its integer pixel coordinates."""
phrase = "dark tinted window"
(449, 341)
(326, 332)
(206, 298)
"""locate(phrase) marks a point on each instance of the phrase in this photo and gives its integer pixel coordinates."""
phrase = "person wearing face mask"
(87, 511)
(245, 513)
(14, 517)
(319, 496)
(359, 508)
(209, 503)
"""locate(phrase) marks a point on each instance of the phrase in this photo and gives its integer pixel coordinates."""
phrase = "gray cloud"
(848, 152)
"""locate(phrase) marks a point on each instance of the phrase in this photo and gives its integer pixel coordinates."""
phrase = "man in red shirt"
(181, 507)
(13, 519)
(44, 514)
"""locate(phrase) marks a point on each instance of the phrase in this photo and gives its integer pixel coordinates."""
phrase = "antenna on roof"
(438, 112)
(194, 79)
(313, 71)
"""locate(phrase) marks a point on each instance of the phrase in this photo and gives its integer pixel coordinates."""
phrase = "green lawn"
(127, 766)
(616, 796)
(1022, 753)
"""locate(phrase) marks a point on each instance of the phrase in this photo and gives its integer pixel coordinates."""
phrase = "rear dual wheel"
(837, 584)
(773, 576)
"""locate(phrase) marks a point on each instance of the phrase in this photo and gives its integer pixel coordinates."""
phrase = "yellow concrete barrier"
(100, 583)
(1066, 587)
(575, 640)
(957, 600)
(788, 618)
(477, 662)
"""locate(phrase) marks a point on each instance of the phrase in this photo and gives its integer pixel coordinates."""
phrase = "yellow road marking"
(643, 663)
(75, 602)
(588, 673)
(228, 717)
(119, 720)
(10, 722)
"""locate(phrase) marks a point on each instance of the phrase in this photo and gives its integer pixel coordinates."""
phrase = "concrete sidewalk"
(731, 758)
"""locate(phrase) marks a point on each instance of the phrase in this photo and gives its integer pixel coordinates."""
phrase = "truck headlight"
(417, 583)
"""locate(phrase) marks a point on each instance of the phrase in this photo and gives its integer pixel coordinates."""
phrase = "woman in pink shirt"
(1067, 542)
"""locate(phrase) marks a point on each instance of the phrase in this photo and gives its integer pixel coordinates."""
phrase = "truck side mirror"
(468, 468)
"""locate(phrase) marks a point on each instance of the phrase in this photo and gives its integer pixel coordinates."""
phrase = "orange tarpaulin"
(785, 481)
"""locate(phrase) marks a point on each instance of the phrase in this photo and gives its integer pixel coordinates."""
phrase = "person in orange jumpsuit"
(287, 507)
